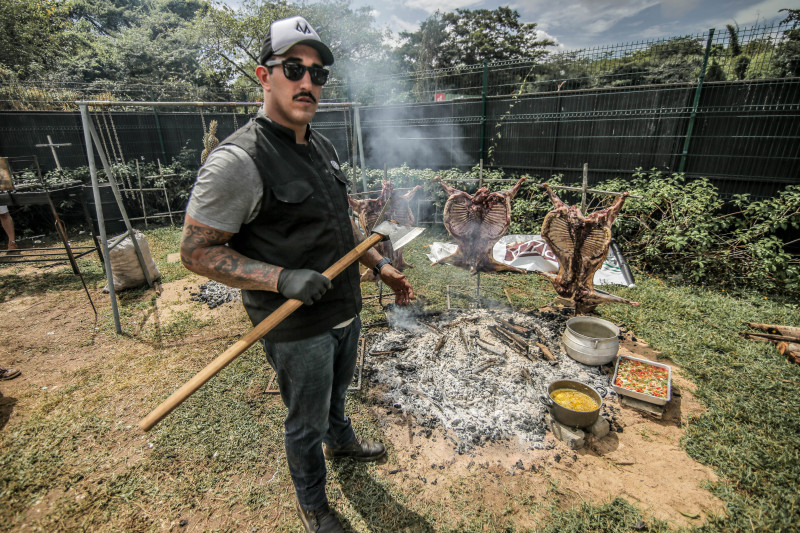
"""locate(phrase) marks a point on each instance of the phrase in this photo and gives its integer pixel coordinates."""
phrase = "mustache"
(305, 94)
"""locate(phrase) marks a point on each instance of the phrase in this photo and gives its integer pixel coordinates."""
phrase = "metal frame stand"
(93, 139)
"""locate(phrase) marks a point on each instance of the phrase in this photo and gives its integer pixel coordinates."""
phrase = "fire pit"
(476, 374)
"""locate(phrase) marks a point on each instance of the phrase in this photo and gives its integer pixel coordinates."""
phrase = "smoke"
(397, 135)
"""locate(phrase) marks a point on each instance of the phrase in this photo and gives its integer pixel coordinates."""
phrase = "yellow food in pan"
(572, 399)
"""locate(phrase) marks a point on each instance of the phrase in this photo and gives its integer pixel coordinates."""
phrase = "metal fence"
(671, 104)
(757, 52)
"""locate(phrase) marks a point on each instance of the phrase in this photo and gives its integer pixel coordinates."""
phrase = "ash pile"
(475, 373)
(215, 294)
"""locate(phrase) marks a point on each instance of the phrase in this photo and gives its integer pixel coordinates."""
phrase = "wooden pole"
(264, 327)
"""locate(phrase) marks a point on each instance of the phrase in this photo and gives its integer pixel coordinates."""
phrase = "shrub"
(684, 227)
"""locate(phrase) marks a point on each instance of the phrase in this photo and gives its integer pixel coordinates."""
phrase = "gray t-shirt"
(228, 190)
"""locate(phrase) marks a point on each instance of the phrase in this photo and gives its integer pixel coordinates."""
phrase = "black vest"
(303, 223)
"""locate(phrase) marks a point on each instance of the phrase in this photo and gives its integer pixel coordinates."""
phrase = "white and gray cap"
(285, 33)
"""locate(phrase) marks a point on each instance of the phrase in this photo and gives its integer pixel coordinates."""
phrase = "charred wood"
(546, 351)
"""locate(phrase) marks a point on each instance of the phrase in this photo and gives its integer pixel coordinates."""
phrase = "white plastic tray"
(640, 395)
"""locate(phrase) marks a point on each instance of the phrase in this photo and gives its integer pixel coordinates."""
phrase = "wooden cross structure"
(584, 188)
(53, 147)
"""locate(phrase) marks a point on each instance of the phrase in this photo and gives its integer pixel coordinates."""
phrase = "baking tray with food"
(642, 379)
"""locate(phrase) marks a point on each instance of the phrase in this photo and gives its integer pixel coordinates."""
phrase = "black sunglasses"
(295, 71)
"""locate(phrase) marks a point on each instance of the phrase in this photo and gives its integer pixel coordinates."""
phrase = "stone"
(651, 409)
(600, 428)
(573, 437)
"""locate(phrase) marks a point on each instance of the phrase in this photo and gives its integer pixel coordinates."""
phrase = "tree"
(32, 36)
(787, 54)
(467, 37)
(152, 43)
(232, 39)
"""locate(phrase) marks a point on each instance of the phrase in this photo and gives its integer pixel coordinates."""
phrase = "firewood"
(463, 338)
(440, 344)
(771, 337)
(509, 340)
(776, 329)
(514, 327)
(790, 350)
(489, 363)
(546, 351)
(497, 350)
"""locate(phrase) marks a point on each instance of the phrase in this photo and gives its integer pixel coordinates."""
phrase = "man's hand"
(396, 280)
(303, 284)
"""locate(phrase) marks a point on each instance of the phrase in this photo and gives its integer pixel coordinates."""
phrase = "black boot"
(359, 449)
(321, 520)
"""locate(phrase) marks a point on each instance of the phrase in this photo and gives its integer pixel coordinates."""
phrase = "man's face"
(291, 103)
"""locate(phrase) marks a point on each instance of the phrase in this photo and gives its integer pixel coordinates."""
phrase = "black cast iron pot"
(569, 417)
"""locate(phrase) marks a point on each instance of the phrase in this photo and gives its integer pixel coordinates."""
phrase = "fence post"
(160, 137)
(697, 93)
(484, 94)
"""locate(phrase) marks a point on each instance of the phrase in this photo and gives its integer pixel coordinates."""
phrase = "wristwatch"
(377, 268)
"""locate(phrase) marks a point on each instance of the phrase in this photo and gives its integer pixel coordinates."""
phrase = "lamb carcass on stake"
(399, 210)
(476, 222)
(581, 245)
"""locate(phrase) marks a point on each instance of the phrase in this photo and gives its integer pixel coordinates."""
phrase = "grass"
(77, 450)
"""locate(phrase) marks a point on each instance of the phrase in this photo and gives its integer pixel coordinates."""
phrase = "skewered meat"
(581, 245)
(399, 210)
(476, 222)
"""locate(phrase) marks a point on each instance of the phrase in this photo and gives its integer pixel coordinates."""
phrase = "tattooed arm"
(203, 251)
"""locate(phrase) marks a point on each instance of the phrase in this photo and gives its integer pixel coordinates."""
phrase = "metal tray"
(640, 395)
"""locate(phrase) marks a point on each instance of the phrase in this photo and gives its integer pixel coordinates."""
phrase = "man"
(268, 213)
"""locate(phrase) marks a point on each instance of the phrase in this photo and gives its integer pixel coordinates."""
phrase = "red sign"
(438, 97)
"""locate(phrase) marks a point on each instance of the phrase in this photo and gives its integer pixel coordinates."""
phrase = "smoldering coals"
(215, 294)
(474, 394)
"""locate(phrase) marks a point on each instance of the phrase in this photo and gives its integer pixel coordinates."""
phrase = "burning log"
(513, 327)
(546, 351)
(464, 338)
(476, 222)
(440, 344)
(390, 350)
(515, 343)
(581, 245)
(504, 338)
(491, 347)
(489, 363)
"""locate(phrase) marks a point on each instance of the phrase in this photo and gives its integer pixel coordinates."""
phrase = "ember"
(468, 373)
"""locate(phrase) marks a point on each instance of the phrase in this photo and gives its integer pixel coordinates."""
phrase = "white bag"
(125, 268)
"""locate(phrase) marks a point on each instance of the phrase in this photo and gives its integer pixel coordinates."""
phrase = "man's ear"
(263, 76)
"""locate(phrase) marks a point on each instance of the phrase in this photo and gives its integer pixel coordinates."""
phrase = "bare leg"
(8, 227)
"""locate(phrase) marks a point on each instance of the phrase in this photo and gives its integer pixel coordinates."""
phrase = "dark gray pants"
(313, 376)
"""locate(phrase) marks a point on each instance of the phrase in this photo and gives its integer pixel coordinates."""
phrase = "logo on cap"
(303, 28)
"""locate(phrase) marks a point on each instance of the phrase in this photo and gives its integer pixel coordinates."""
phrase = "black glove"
(302, 284)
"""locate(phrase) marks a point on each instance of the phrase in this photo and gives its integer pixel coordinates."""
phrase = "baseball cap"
(285, 33)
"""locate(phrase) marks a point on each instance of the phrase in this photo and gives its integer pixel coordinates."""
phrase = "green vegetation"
(76, 450)
(53, 52)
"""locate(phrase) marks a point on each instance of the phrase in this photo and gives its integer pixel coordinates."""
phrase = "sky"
(577, 24)
(587, 23)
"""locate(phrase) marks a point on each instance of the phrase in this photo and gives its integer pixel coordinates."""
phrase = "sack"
(6, 178)
(125, 268)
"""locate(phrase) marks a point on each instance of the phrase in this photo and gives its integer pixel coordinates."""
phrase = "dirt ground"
(49, 336)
